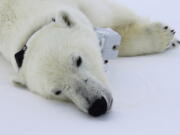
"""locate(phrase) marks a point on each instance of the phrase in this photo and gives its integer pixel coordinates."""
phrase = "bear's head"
(63, 61)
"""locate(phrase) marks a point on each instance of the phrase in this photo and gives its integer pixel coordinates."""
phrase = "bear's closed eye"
(57, 92)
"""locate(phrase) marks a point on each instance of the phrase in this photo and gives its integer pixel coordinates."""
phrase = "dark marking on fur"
(114, 47)
(67, 20)
(79, 61)
(53, 19)
(19, 56)
(86, 80)
(173, 44)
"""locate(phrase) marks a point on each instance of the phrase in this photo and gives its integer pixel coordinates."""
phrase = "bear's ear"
(65, 19)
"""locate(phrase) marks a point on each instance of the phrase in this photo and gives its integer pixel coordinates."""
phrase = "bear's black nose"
(98, 108)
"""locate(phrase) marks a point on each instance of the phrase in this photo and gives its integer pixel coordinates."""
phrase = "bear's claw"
(174, 42)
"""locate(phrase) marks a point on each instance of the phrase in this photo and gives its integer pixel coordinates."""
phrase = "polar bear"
(54, 49)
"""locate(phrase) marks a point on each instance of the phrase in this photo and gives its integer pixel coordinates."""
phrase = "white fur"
(48, 63)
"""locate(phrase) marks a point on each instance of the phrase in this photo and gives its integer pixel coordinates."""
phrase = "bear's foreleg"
(145, 38)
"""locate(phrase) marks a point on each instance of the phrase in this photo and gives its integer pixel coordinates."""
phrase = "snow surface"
(146, 93)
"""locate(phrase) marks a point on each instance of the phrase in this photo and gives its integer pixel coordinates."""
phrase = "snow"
(146, 92)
